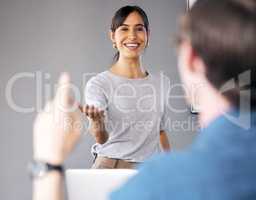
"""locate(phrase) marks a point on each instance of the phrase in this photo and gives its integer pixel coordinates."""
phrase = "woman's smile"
(132, 45)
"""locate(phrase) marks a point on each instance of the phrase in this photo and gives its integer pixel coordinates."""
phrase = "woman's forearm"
(99, 132)
(49, 187)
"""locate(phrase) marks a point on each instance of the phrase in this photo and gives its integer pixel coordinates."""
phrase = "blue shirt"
(221, 164)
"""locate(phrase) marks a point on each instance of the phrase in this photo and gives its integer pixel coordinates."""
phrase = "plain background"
(50, 36)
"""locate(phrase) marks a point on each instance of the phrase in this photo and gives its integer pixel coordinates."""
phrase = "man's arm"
(49, 187)
(56, 130)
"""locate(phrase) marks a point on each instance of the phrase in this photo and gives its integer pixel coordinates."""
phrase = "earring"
(114, 45)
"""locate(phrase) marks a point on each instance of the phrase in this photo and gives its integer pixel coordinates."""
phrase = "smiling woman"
(128, 22)
(120, 118)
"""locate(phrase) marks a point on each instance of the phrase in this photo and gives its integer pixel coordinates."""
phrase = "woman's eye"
(140, 29)
(124, 29)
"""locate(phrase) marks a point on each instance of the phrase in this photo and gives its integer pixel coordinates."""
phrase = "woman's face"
(131, 37)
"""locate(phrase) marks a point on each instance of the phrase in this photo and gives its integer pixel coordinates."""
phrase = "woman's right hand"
(93, 113)
(97, 126)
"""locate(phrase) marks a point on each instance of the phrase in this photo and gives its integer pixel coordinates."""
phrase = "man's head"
(217, 42)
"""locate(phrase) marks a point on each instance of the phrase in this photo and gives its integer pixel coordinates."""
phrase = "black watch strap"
(38, 169)
(58, 168)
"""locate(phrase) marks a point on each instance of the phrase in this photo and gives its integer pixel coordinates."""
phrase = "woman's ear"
(148, 36)
(148, 33)
(112, 36)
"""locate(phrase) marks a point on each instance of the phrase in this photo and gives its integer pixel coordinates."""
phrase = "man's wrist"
(39, 169)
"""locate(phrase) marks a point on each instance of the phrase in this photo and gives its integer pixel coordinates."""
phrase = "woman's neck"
(130, 68)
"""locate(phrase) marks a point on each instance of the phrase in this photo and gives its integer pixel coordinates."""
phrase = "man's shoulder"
(232, 124)
(161, 177)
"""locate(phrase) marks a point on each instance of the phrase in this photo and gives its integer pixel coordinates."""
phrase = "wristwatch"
(38, 169)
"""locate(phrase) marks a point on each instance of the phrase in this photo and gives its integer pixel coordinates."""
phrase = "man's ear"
(194, 62)
(111, 36)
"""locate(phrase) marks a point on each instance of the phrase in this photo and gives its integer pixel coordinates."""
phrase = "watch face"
(38, 169)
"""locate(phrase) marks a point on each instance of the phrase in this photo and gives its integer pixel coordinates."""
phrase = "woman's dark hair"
(223, 34)
(121, 15)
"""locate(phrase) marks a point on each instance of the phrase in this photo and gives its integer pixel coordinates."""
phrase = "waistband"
(113, 163)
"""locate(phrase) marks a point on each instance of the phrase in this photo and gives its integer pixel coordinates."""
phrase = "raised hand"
(58, 127)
